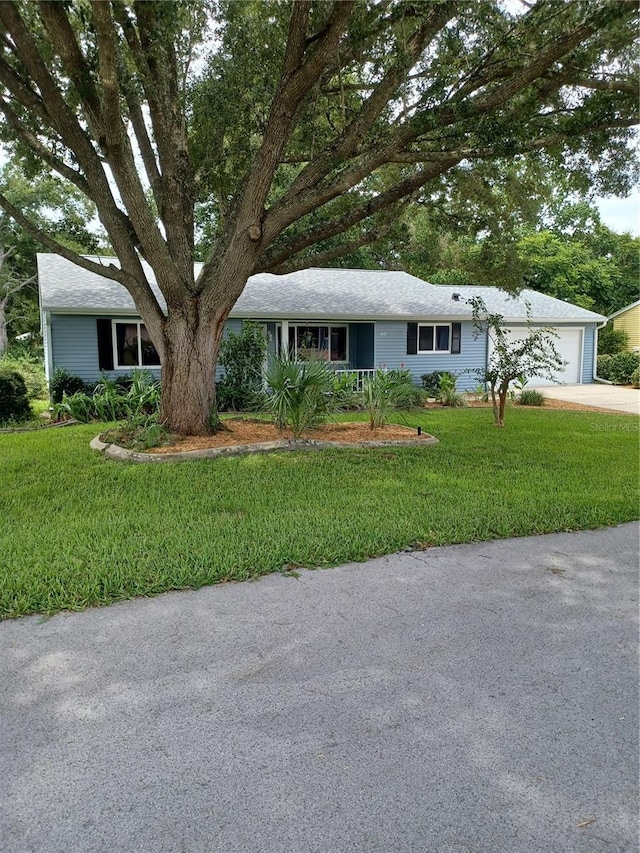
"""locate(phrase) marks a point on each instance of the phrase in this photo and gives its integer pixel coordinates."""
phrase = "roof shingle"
(327, 294)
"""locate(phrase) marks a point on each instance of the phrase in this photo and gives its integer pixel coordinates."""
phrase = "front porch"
(346, 347)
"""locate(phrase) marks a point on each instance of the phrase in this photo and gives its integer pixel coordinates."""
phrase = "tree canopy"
(299, 133)
(48, 200)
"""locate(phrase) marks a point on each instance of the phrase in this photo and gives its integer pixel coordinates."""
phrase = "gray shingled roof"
(321, 294)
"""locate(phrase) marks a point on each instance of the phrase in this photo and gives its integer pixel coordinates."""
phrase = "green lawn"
(78, 530)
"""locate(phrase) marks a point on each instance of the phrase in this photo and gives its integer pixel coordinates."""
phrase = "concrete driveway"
(472, 698)
(612, 397)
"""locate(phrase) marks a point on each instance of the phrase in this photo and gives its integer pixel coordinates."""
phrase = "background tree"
(66, 213)
(547, 241)
(312, 120)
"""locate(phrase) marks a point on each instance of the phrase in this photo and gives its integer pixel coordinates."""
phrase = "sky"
(621, 214)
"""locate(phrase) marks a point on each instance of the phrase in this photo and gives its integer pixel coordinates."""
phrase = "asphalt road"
(472, 698)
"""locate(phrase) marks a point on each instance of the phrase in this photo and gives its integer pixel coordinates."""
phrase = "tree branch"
(41, 236)
(629, 87)
(60, 117)
(295, 84)
(40, 150)
(329, 255)
(154, 55)
(347, 143)
(358, 213)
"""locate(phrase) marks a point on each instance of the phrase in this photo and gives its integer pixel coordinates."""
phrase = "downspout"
(48, 349)
(597, 378)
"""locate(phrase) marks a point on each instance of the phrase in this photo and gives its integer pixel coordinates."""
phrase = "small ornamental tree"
(534, 355)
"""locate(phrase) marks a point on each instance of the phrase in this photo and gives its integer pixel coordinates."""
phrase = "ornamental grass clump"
(531, 397)
(298, 393)
(113, 400)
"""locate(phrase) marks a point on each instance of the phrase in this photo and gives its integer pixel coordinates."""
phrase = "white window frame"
(114, 339)
(433, 326)
(328, 326)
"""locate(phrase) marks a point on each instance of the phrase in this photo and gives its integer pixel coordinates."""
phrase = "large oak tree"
(304, 132)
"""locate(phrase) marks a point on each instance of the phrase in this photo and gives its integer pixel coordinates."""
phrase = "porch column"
(284, 337)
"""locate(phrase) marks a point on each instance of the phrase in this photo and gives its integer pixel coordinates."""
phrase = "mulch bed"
(242, 432)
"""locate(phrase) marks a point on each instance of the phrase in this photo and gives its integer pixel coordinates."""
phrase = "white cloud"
(621, 214)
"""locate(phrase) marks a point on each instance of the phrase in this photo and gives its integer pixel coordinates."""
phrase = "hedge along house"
(356, 320)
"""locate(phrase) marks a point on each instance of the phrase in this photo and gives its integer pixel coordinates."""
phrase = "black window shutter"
(456, 334)
(105, 345)
(412, 338)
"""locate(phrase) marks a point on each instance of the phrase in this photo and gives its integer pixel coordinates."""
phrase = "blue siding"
(74, 345)
(588, 343)
(391, 352)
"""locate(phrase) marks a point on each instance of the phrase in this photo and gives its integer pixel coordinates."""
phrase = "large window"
(328, 343)
(132, 346)
(434, 338)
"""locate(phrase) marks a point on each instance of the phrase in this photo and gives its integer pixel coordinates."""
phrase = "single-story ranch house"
(355, 319)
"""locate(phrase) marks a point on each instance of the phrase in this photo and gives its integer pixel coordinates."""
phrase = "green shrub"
(31, 371)
(113, 400)
(531, 397)
(299, 393)
(406, 395)
(14, 402)
(140, 433)
(344, 390)
(622, 366)
(77, 407)
(612, 341)
(603, 368)
(448, 394)
(431, 381)
(635, 378)
(67, 383)
(242, 359)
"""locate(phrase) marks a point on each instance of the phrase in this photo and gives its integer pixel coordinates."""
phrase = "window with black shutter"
(456, 335)
(105, 345)
(412, 338)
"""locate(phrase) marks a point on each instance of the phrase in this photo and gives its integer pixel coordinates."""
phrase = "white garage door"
(569, 345)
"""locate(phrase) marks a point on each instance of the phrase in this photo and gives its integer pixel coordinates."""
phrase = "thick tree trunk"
(4, 340)
(192, 343)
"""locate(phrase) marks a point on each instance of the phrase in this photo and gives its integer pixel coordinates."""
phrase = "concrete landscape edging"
(122, 454)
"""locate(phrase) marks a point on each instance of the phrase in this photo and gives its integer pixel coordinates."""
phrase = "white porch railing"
(359, 376)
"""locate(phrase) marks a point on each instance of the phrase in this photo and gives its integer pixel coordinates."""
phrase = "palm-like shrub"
(299, 393)
(379, 398)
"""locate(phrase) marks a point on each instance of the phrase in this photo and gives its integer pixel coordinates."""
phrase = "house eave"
(273, 316)
(623, 310)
